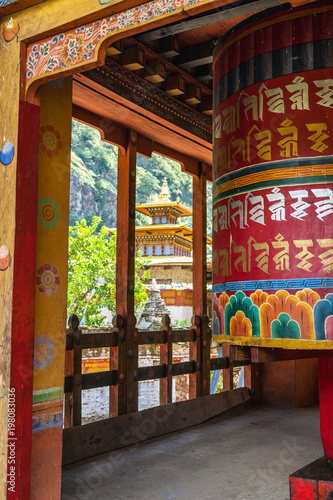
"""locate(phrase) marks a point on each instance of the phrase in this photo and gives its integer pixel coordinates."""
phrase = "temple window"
(158, 250)
(167, 250)
(164, 220)
(157, 220)
(150, 250)
(141, 250)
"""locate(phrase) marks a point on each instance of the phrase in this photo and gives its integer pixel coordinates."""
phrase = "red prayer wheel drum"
(272, 180)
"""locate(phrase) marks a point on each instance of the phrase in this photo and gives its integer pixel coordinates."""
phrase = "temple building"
(164, 236)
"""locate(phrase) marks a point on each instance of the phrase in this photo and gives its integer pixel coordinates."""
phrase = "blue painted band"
(287, 284)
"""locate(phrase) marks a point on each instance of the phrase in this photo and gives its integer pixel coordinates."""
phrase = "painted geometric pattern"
(77, 46)
(280, 315)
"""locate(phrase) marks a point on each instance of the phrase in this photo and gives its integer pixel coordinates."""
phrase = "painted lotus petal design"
(240, 325)
(285, 328)
(322, 310)
(239, 302)
(329, 328)
(283, 302)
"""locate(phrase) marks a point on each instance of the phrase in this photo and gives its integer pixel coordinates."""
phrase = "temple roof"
(164, 206)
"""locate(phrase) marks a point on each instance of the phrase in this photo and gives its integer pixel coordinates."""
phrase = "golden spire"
(164, 194)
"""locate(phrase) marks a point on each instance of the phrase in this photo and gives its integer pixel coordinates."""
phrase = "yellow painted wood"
(52, 231)
(282, 343)
(9, 88)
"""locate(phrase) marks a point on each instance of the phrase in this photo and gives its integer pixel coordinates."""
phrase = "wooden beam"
(106, 435)
(196, 55)
(203, 73)
(169, 46)
(174, 84)
(125, 271)
(155, 72)
(110, 131)
(147, 147)
(229, 11)
(102, 102)
(133, 58)
(266, 354)
(192, 95)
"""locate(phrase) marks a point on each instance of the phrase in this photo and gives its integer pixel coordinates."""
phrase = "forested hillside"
(94, 180)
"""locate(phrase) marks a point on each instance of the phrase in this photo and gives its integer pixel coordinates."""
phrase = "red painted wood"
(325, 490)
(303, 489)
(23, 302)
(326, 405)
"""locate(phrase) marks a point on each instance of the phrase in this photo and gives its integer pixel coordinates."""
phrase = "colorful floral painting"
(48, 213)
(70, 49)
(43, 352)
(47, 279)
(49, 140)
(278, 316)
(323, 318)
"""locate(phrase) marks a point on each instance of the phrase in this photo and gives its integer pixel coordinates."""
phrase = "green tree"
(92, 273)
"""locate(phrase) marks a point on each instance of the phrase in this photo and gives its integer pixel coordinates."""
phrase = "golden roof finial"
(164, 194)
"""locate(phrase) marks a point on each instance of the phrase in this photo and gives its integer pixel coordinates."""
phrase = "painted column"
(51, 287)
(273, 173)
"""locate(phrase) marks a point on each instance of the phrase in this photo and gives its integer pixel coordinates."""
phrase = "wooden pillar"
(128, 338)
(51, 287)
(228, 373)
(166, 358)
(200, 350)
(23, 313)
(326, 405)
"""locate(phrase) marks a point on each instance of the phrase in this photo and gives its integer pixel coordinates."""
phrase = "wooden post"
(228, 373)
(200, 350)
(252, 380)
(77, 388)
(166, 358)
(326, 405)
(128, 341)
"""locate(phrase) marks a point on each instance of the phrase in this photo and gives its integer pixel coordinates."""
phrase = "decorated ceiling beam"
(85, 46)
(137, 90)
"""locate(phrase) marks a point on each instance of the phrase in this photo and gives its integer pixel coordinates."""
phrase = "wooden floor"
(241, 455)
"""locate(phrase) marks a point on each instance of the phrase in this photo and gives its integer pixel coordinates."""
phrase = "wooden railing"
(76, 381)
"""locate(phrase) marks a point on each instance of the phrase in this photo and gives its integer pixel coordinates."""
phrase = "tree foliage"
(91, 154)
(92, 273)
